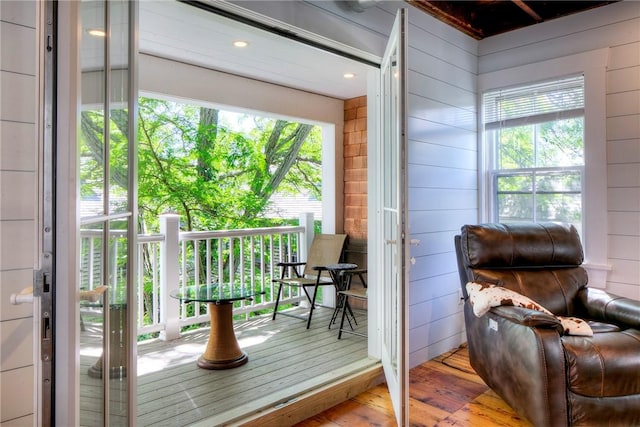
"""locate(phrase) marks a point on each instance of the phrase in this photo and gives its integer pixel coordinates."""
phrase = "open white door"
(95, 183)
(394, 217)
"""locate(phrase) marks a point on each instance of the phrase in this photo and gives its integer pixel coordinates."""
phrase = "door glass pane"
(119, 98)
(91, 148)
(92, 320)
(390, 149)
(104, 149)
(118, 337)
(92, 128)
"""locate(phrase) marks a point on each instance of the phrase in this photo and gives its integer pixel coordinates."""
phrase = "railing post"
(169, 276)
(306, 221)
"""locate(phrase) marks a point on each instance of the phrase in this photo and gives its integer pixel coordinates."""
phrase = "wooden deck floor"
(285, 359)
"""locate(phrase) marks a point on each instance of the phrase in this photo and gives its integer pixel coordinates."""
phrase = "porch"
(286, 364)
(285, 361)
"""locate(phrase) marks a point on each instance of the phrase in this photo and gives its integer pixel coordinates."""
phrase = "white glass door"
(106, 151)
(394, 217)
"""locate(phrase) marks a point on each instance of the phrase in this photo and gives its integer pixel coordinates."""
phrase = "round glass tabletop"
(214, 293)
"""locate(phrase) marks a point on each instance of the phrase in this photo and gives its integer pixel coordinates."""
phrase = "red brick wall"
(355, 168)
(355, 185)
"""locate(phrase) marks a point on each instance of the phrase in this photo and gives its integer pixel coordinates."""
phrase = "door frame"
(67, 359)
(67, 219)
(67, 86)
(395, 359)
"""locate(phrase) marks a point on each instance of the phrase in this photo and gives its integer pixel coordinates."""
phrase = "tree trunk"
(208, 132)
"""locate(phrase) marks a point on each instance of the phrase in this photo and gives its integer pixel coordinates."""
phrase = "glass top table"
(223, 350)
(213, 294)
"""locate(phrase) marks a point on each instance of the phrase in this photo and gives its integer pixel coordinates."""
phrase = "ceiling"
(178, 31)
(486, 18)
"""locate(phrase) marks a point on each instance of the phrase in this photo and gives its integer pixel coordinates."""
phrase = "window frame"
(592, 65)
(491, 135)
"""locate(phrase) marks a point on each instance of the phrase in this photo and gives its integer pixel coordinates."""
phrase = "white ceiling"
(185, 33)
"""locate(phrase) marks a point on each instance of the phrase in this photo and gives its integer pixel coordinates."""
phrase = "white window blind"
(536, 103)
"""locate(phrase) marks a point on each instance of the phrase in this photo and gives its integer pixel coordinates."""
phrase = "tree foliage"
(539, 171)
(191, 163)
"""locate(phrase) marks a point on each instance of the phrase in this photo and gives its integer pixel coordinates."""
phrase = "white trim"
(593, 65)
(597, 274)
(67, 358)
(374, 220)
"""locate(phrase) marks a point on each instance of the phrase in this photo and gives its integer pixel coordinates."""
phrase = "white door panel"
(394, 218)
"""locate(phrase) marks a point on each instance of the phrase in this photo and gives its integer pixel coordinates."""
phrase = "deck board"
(285, 359)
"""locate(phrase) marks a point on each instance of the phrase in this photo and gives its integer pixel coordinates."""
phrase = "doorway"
(372, 337)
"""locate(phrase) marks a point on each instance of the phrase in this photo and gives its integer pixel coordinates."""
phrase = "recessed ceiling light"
(348, 75)
(240, 43)
(96, 32)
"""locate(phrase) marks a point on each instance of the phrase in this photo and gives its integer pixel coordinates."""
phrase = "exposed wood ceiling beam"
(444, 15)
(522, 5)
(486, 18)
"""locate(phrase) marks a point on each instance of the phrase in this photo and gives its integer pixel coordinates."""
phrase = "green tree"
(191, 164)
(214, 177)
(555, 144)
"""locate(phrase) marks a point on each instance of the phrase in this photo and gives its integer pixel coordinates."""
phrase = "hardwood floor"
(442, 392)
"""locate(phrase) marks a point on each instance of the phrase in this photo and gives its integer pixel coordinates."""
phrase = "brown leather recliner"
(524, 355)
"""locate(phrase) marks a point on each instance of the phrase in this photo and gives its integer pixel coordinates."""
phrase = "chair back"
(539, 260)
(325, 249)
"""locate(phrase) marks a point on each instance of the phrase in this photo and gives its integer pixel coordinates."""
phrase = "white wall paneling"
(615, 24)
(614, 31)
(18, 201)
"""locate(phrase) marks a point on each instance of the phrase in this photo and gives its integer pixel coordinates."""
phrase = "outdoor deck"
(285, 360)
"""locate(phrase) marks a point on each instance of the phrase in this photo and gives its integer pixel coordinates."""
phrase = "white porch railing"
(174, 259)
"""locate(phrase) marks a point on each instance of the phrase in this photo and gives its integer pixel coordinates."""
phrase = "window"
(535, 137)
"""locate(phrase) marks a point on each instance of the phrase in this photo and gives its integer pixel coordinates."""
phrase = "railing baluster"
(140, 290)
(208, 249)
(155, 286)
(256, 253)
(220, 262)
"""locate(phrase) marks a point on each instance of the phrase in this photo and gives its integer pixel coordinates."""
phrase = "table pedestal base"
(222, 364)
(223, 350)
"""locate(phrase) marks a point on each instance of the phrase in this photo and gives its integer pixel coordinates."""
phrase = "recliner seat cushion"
(605, 365)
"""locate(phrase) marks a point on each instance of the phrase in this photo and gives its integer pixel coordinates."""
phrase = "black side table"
(342, 283)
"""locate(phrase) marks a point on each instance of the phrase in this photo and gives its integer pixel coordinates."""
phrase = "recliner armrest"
(528, 317)
(602, 305)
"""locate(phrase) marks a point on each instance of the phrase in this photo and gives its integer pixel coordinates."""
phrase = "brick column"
(355, 168)
(355, 184)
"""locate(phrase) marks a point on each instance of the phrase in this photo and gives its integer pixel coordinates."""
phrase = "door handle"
(25, 296)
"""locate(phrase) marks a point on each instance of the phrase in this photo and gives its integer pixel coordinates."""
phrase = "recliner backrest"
(539, 260)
